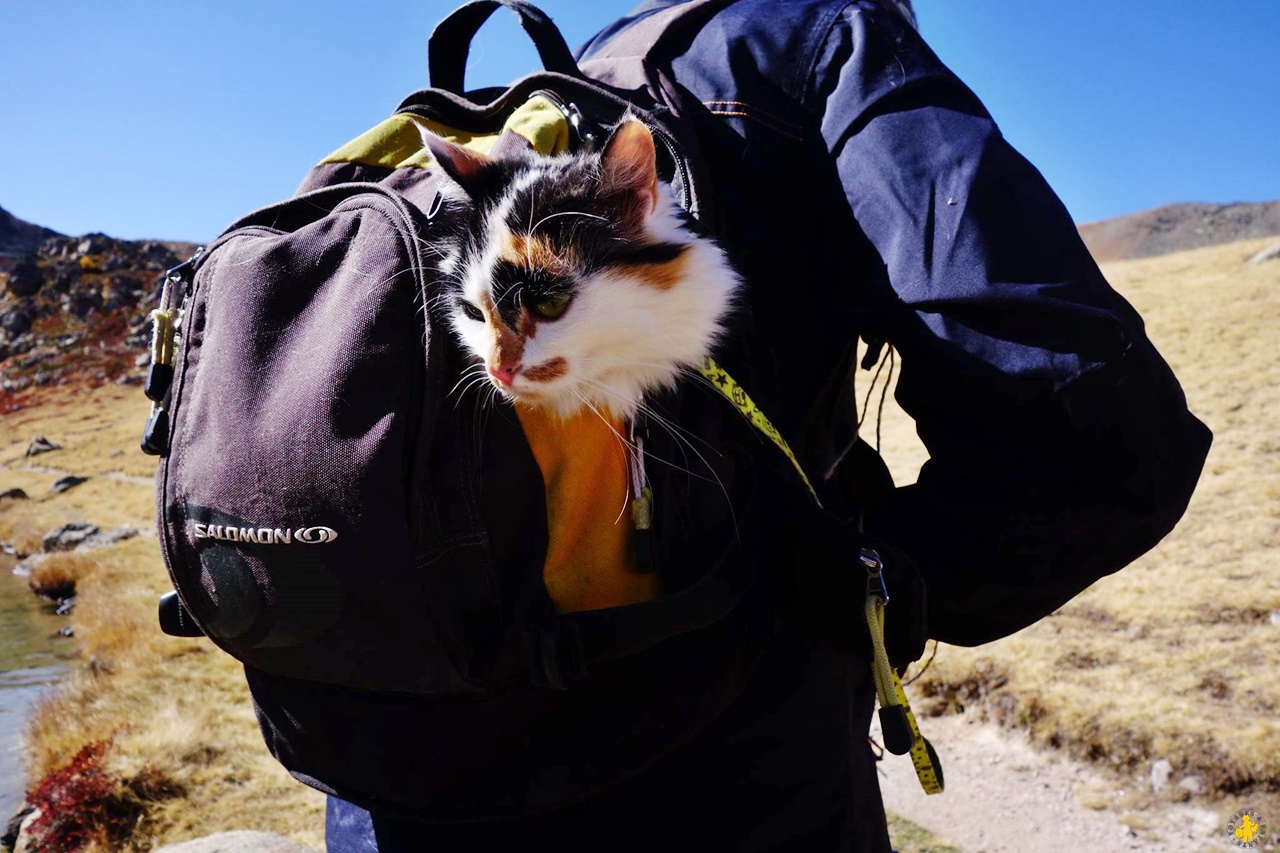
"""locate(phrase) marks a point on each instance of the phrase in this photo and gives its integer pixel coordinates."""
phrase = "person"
(865, 191)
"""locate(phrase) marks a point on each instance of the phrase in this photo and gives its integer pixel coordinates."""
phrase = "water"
(32, 657)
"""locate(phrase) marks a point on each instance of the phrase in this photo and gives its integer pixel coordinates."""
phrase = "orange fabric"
(590, 556)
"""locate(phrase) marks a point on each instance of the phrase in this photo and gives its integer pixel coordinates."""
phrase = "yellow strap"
(888, 685)
(889, 688)
(735, 394)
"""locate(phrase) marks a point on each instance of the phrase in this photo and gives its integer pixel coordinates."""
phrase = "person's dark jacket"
(865, 190)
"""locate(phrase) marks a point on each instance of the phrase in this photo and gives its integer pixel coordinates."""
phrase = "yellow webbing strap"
(889, 689)
(888, 685)
(735, 394)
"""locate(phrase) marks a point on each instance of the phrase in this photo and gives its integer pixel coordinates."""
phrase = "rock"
(10, 837)
(25, 279)
(65, 606)
(66, 483)
(107, 537)
(24, 566)
(39, 444)
(93, 244)
(14, 494)
(68, 536)
(23, 843)
(1160, 772)
(1194, 784)
(66, 278)
(82, 303)
(240, 841)
(16, 322)
(1271, 253)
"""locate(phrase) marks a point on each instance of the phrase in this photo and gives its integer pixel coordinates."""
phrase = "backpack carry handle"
(450, 41)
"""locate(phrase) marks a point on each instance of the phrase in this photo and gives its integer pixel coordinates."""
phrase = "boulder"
(82, 302)
(16, 321)
(67, 482)
(67, 537)
(25, 565)
(40, 444)
(107, 537)
(238, 841)
(25, 279)
(1271, 253)
(1161, 770)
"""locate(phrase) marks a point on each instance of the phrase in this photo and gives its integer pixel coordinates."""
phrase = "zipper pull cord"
(641, 502)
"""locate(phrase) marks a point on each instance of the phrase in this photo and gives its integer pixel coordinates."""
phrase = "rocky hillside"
(19, 239)
(77, 308)
(1179, 227)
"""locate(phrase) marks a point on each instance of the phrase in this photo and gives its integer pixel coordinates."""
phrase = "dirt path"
(1004, 796)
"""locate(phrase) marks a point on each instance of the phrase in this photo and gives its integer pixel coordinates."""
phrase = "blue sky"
(148, 119)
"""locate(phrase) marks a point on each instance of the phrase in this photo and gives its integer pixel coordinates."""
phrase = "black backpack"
(330, 515)
(320, 497)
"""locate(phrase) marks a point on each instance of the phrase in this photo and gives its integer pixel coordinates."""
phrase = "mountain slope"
(1179, 227)
(19, 238)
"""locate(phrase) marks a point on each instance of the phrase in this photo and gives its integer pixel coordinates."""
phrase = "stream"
(32, 657)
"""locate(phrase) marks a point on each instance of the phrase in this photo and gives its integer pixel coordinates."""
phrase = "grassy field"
(1175, 657)
(183, 756)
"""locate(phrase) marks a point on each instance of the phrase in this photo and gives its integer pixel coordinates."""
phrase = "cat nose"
(505, 373)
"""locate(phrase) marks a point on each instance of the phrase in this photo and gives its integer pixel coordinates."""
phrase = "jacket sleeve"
(1060, 443)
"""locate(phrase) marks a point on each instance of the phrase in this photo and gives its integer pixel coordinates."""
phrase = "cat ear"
(467, 168)
(629, 164)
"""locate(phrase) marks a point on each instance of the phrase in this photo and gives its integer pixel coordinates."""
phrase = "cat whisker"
(674, 430)
(549, 216)
(627, 448)
(469, 373)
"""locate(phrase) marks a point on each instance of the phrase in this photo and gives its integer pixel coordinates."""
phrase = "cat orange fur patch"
(551, 369)
(662, 276)
(533, 252)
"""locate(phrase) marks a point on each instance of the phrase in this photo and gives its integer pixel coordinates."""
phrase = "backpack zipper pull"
(166, 321)
(641, 502)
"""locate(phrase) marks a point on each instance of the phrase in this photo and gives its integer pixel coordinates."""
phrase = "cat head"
(576, 281)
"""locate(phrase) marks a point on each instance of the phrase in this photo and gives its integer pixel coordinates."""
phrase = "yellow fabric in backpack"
(397, 142)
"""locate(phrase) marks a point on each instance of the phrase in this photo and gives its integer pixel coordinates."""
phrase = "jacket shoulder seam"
(801, 87)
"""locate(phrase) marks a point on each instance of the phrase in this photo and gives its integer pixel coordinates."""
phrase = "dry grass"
(56, 575)
(1175, 657)
(182, 735)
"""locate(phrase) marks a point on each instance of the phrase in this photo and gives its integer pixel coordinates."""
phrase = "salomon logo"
(264, 535)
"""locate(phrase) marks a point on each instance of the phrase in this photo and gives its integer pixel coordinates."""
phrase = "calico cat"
(578, 281)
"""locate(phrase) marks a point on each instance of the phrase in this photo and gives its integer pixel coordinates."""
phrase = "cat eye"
(551, 307)
(471, 311)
